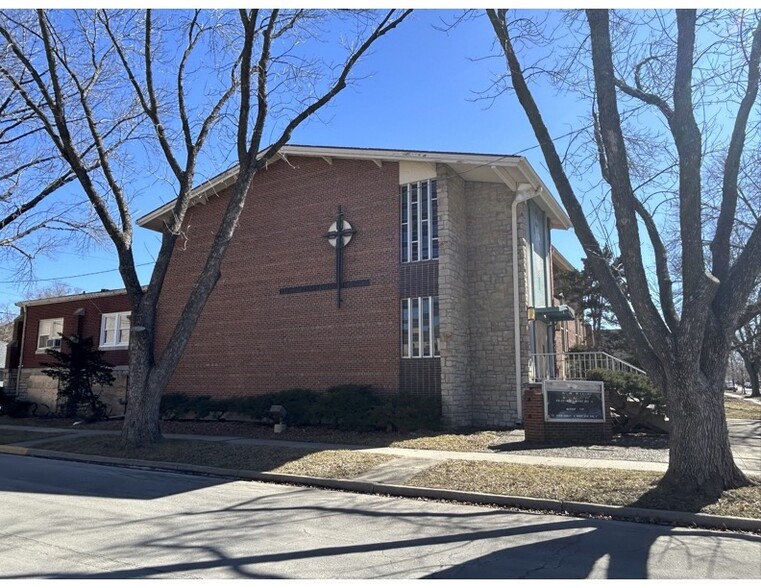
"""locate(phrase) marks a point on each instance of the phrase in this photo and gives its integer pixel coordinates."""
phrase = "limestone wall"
(35, 386)
(490, 316)
(456, 399)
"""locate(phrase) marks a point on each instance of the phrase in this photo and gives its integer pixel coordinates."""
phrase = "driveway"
(75, 520)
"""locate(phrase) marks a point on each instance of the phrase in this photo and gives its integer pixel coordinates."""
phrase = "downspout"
(524, 193)
(21, 350)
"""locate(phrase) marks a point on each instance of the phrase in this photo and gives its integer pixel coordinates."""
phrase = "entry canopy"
(554, 314)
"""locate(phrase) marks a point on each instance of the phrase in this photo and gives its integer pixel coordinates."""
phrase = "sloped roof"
(476, 167)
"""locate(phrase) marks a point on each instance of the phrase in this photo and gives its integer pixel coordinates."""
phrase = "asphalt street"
(74, 520)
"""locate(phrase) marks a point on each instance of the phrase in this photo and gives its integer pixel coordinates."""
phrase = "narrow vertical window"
(425, 331)
(424, 214)
(405, 328)
(420, 327)
(434, 222)
(415, 224)
(419, 221)
(415, 321)
(405, 225)
(435, 329)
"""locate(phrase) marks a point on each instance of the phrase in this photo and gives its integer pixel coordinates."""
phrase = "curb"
(642, 515)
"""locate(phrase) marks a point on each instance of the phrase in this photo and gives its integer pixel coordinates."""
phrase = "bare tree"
(682, 338)
(259, 75)
(33, 218)
(9, 312)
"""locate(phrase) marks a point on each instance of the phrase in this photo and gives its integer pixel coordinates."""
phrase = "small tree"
(77, 371)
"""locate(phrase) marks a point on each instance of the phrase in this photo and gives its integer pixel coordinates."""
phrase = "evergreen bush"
(77, 371)
(350, 407)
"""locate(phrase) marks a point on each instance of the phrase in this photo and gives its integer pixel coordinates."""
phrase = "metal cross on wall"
(339, 234)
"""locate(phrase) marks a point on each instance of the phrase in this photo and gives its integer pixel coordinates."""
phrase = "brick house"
(103, 315)
(442, 255)
(574, 332)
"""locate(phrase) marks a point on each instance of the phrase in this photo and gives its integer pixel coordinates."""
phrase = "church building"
(414, 271)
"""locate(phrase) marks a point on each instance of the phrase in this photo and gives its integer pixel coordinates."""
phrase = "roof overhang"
(71, 297)
(560, 260)
(473, 167)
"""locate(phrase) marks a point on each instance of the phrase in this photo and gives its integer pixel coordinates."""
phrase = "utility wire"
(77, 276)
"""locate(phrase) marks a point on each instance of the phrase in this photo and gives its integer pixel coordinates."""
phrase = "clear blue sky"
(417, 91)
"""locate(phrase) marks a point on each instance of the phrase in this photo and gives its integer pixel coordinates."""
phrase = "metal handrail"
(574, 365)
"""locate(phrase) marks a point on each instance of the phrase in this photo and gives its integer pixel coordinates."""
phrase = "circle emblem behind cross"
(347, 232)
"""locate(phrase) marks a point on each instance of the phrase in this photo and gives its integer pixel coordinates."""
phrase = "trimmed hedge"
(350, 407)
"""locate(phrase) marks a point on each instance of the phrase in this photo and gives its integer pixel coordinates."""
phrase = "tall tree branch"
(720, 246)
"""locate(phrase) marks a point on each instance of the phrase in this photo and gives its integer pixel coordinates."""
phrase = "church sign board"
(573, 401)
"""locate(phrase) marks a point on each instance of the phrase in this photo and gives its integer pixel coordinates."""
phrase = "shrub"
(632, 389)
(406, 412)
(302, 406)
(15, 408)
(350, 407)
(175, 406)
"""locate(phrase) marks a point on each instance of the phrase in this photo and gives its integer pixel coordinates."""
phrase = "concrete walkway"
(409, 462)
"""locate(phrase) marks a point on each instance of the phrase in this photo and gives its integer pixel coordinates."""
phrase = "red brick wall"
(94, 308)
(539, 431)
(250, 339)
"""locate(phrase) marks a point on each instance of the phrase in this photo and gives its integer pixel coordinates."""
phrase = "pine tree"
(78, 370)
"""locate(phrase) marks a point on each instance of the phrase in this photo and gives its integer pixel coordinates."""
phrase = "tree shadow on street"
(287, 534)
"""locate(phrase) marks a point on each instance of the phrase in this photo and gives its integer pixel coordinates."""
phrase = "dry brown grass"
(327, 464)
(742, 409)
(8, 436)
(599, 486)
(475, 441)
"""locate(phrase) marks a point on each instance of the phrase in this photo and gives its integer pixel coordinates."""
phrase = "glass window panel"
(405, 328)
(414, 219)
(434, 218)
(424, 240)
(124, 326)
(405, 234)
(426, 327)
(436, 325)
(415, 314)
(424, 200)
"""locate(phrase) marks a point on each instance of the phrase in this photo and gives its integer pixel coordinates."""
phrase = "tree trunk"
(141, 420)
(754, 383)
(752, 367)
(700, 459)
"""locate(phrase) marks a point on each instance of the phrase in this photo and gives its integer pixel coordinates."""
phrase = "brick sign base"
(539, 431)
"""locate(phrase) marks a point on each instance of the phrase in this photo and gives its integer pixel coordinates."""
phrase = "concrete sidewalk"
(409, 462)
(390, 477)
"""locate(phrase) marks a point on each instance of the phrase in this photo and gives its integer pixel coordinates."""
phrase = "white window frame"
(118, 343)
(430, 220)
(407, 303)
(49, 325)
